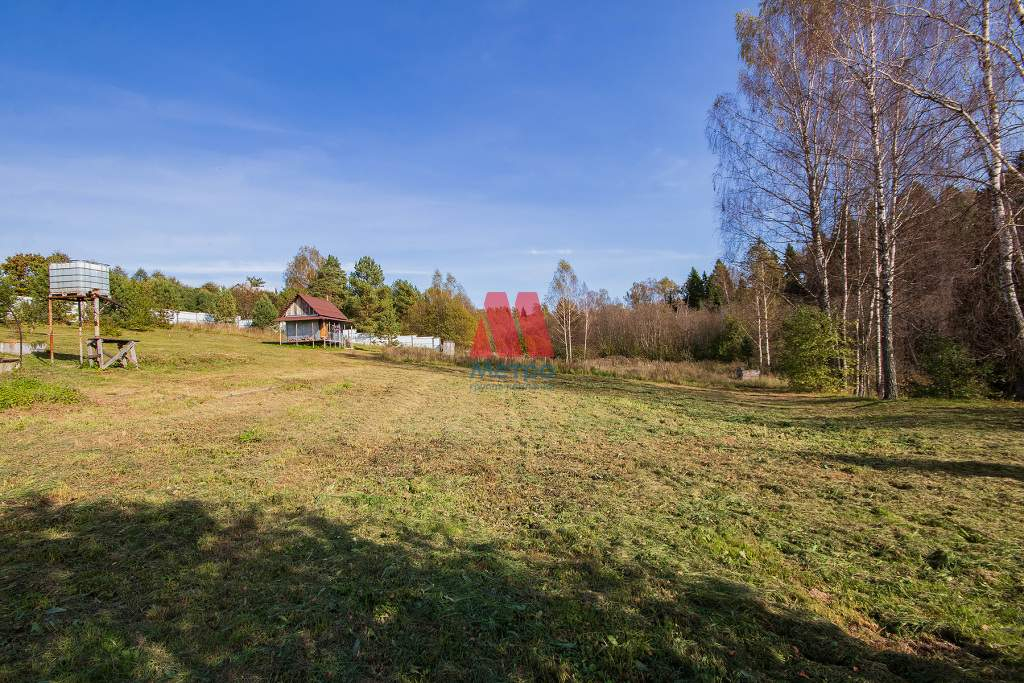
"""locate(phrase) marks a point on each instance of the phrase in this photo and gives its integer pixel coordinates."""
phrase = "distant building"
(309, 319)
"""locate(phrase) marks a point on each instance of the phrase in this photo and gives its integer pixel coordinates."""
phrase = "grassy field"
(236, 510)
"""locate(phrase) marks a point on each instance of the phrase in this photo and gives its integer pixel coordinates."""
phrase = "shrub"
(812, 351)
(951, 370)
(731, 344)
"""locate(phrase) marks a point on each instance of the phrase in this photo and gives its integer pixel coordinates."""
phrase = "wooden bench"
(125, 352)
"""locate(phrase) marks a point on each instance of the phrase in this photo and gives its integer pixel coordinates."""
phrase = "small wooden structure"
(81, 282)
(311, 319)
(743, 373)
(94, 297)
(125, 352)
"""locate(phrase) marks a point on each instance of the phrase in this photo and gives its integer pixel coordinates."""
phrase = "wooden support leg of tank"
(80, 351)
(49, 316)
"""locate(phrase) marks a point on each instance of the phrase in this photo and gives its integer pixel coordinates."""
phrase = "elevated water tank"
(79, 278)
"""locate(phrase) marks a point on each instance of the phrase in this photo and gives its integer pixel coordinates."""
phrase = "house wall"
(302, 329)
(299, 307)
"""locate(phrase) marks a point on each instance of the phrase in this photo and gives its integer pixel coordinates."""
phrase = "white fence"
(352, 336)
(197, 318)
(410, 340)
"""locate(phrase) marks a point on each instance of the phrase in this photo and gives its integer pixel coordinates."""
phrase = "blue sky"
(488, 139)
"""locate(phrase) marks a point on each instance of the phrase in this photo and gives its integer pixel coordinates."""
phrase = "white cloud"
(550, 252)
(216, 268)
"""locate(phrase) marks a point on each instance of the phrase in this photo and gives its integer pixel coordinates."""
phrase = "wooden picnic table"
(125, 352)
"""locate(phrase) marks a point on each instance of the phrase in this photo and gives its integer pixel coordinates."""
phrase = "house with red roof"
(309, 319)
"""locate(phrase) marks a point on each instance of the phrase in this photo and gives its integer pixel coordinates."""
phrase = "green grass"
(24, 391)
(267, 513)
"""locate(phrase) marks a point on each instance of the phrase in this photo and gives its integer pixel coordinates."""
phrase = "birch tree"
(778, 142)
(764, 276)
(563, 300)
(903, 143)
(979, 45)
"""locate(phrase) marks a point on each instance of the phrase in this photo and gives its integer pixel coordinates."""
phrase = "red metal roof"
(323, 309)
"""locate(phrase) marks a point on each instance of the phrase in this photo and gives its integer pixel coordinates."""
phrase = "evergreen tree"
(793, 276)
(263, 313)
(364, 287)
(695, 289)
(404, 295)
(811, 351)
(720, 287)
(330, 282)
(367, 273)
(385, 322)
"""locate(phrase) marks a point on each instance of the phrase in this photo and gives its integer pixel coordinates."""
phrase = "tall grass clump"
(24, 391)
(704, 373)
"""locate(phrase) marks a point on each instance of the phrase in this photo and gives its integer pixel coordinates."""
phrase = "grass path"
(239, 510)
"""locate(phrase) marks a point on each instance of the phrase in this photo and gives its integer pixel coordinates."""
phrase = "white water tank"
(79, 278)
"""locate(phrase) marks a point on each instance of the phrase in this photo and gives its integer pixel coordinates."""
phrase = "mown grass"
(315, 514)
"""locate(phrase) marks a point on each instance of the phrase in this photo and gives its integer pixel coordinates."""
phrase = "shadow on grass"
(845, 414)
(113, 591)
(958, 468)
(44, 356)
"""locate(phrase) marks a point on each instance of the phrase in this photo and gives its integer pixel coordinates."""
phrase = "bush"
(731, 344)
(812, 351)
(951, 370)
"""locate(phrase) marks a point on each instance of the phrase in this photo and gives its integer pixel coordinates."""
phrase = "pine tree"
(364, 287)
(695, 289)
(404, 294)
(263, 313)
(385, 322)
(330, 282)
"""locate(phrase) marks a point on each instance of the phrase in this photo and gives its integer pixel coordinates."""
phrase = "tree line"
(441, 310)
(144, 300)
(870, 167)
